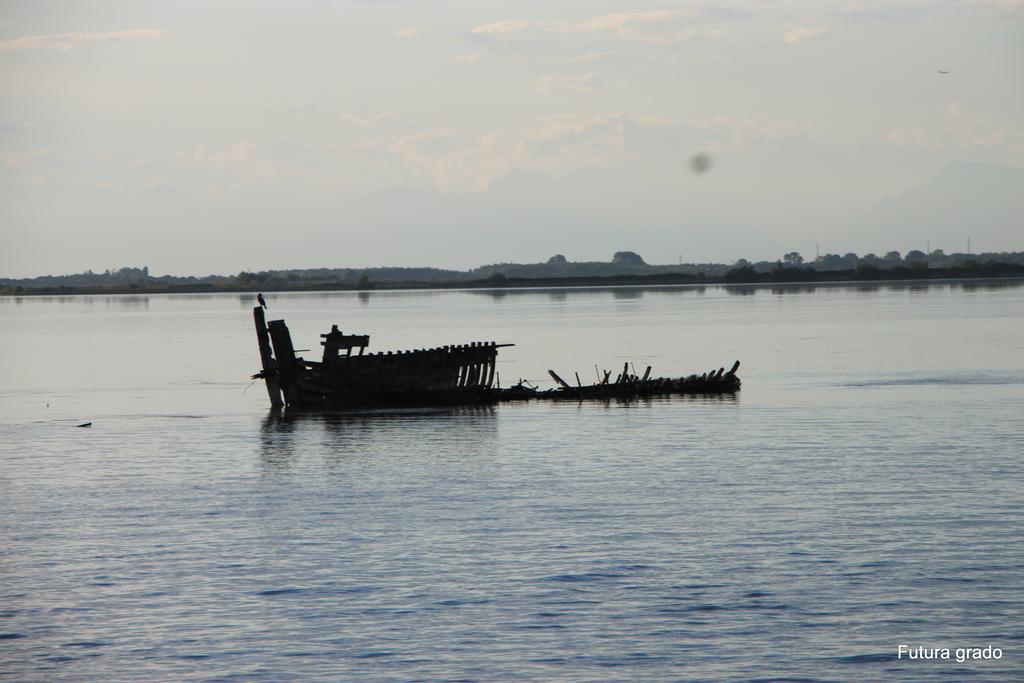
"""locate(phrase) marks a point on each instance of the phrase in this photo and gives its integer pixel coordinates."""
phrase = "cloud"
(130, 161)
(16, 160)
(108, 185)
(739, 132)
(660, 27)
(506, 26)
(66, 41)
(794, 36)
(553, 145)
(580, 85)
(31, 168)
(589, 57)
(473, 58)
(6, 127)
(624, 25)
(371, 119)
(965, 129)
(409, 32)
(991, 8)
(241, 160)
(653, 121)
(566, 143)
(909, 137)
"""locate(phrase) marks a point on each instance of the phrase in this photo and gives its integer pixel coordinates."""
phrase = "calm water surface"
(864, 490)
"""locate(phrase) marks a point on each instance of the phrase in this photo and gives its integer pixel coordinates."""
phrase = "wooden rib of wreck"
(347, 376)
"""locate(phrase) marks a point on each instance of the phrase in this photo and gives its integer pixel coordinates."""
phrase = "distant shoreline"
(778, 278)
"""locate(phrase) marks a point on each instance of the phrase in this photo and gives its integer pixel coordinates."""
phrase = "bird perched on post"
(263, 303)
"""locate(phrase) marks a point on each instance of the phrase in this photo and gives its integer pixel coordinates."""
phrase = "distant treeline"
(625, 267)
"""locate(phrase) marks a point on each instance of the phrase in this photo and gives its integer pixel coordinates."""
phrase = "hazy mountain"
(978, 200)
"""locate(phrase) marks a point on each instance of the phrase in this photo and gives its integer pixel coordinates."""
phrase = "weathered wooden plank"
(284, 352)
(267, 358)
(561, 382)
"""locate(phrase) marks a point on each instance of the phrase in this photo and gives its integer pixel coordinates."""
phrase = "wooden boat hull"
(450, 375)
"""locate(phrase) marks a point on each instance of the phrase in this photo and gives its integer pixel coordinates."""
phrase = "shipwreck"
(348, 377)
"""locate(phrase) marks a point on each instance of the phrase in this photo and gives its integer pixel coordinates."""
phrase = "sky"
(214, 137)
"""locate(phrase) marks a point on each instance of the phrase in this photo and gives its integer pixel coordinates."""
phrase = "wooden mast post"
(269, 366)
(284, 352)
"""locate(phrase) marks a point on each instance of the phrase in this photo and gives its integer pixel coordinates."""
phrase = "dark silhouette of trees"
(744, 273)
(829, 262)
(915, 256)
(628, 258)
(627, 266)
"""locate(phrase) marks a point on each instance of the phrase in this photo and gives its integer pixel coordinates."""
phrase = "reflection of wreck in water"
(344, 438)
(463, 374)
